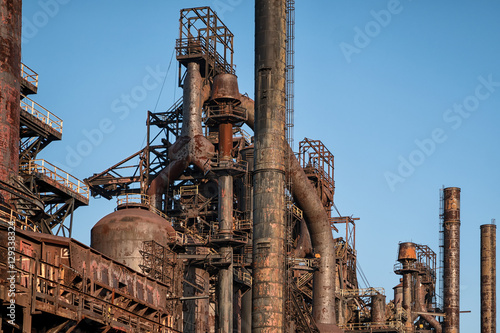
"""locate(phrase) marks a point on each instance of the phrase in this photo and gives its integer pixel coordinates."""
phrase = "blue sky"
(405, 94)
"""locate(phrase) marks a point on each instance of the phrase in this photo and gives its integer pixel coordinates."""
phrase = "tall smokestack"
(10, 64)
(488, 278)
(451, 224)
(269, 172)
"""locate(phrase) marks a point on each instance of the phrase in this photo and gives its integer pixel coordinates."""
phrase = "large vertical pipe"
(451, 274)
(269, 172)
(407, 299)
(488, 278)
(225, 285)
(183, 151)
(10, 68)
(247, 204)
(321, 235)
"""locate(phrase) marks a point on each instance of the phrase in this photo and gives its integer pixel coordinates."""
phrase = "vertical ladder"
(439, 298)
(290, 300)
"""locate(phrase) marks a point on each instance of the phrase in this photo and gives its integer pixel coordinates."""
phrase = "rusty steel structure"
(488, 278)
(215, 229)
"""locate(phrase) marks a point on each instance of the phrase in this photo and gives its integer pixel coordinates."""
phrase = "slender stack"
(488, 278)
(451, 224)
(269, 172)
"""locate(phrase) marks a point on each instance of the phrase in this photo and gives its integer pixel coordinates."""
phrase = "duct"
(10, 60)
(191, 147)
(488, 278)
(420, 305)
(321, 235)
(451, 295)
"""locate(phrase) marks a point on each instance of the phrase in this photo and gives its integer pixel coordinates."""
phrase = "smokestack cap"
(225, 88)
(407, 251)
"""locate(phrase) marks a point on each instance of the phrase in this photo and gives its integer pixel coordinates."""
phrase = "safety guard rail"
(58, 175)
(41, 113)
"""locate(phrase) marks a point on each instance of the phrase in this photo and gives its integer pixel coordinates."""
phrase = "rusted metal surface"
(420, 305)
(225, 140)
(10, 69)
(407, 251)
(246, 312)
(451, 223)
(407, 299)
(225, 87)
(378, 309)
(225, 285)
(192, 146)
(72, 282)
(398, 295)
(120, 234)
(407, 256)
(204, 38)
(197, 317)
(320, 230)
(488, 278)
(269, 172)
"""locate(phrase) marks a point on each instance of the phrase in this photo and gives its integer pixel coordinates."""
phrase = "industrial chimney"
(451, 274)
(10, 60)
(268, 289)
(488, 278)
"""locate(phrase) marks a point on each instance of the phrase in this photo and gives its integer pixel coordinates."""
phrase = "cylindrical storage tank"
(407, 251)
(488, 278)
(120, 235)
(378, 309)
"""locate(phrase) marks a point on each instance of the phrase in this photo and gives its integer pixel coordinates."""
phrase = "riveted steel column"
(488, 278)
(269, 172)
(10, 69)
(451, 297)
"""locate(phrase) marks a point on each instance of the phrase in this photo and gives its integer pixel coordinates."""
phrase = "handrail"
(397, 325)
(362, 292)
(58, 175)
(296, 211)
(141, 199)
(132, 198)
(29, 75)
(23, 224)
(41, 113)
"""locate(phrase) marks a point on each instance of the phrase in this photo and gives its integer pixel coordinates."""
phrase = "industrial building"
(216, 229)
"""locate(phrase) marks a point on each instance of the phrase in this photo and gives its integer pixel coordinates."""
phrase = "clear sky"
(405, 94)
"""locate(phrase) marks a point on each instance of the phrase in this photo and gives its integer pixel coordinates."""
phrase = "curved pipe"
(420, 304)
(304, 245)
(320, 230)
(191, 147)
